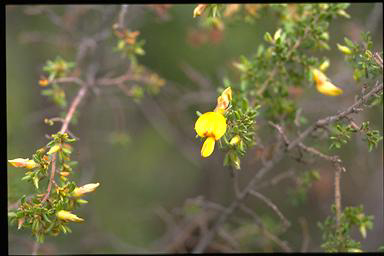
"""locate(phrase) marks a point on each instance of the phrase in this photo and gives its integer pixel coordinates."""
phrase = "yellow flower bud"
(199, 9)
(236, 162)
(20, 223)
(54, 149)
(65, 174)
(344, 49)
(80, 191)
(23, 162)
(324, 66)
(43, 82)
(235, 140)
(223, 100)
(368, 53)
(67, 216)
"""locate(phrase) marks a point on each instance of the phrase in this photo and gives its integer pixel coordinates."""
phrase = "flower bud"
(344, 49)
(324, 66)
(65, 174)
(368, 53)
(236, 162)
(199, 9)
(54, 149)
(67, 216)
(43, 82)
(21, 162)
(80, 191)
(344, 14)
(235, 140)
(20, 223)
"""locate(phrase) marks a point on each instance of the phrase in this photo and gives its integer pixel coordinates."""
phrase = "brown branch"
(337, 196)
(304, 228)
(75, 103)
(283, 244)
(266, 200)
(355, 108)
(69, 80)
(275, 180)
(51, 179)
(123, 12)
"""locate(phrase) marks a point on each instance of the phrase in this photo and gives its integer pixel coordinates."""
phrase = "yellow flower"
(80, 191)
(67, 216)
(199, 9)
(323, 84)
(23, 162)
(213, 126)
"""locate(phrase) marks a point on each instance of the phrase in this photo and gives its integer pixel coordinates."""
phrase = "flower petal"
(208, 147)
(329, 89)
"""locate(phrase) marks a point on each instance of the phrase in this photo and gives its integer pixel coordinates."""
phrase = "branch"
(355, 108)
(75, 103)
(266, 200)
(283, 244)
(337, 196)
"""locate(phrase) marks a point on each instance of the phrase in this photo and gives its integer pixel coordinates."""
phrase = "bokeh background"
(156, 164)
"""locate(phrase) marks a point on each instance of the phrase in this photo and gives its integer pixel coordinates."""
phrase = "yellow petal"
(211, 124)
(67, 216)
(227, 93)
(324, 65)
(220, 125)
(208, 146)
(23, 162)
(329, 89)
(199, 9)
(319, 76)
(344, 49)
(80, 191)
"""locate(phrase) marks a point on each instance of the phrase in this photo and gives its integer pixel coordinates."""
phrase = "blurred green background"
(155, 167)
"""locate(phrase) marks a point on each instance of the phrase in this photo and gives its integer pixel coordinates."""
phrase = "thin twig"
(51, 179)
(283, 244)
(266, 200)
(75, 103)
(305, 240)
(337, 196)
(35, 248)
(123, 11)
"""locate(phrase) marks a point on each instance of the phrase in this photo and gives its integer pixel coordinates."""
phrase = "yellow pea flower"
(68, 216)
(323, 84)
(80, 191)
(23, 162)
(213, 126)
